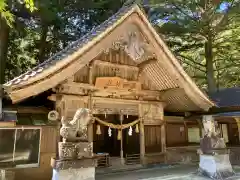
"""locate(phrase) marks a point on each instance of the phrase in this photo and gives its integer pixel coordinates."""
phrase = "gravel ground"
(174, 173)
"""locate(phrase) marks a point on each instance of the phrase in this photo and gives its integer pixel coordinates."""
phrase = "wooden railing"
(103, 160)
(132, 159)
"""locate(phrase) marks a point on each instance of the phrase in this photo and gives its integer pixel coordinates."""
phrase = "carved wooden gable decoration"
(134, 44)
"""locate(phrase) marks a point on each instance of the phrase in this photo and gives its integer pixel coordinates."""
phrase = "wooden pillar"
(121, 117)
(163, 137)
(1, 96)
(59, 107)
(200, 125)
(90, 126)
(142, 135)
(185, 131)
(237, 119)
(90, 105)
(90, 74)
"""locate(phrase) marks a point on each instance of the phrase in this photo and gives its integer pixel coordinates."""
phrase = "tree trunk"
(209, 66)
(4, 38)
(42, 44)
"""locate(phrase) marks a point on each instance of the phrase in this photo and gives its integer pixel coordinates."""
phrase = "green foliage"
(6, 14)
(5, 10)
(203, 37)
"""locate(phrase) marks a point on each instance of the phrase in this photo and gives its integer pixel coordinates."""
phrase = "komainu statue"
(75, 158)
(76, 129)
(75, 143)
(212, 139)
(214, 157)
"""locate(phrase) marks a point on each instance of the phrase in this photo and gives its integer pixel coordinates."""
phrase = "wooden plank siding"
(153, 144)
(152, 139)
(176, 134)
(232, 128)
(179, 150)
(47, 150)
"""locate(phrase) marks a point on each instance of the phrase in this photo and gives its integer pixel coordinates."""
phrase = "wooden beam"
(28, 110)
(53, 97)
(173, 118)
(83, 89)
(114, 65)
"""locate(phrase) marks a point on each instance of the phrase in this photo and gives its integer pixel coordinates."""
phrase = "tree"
(196, 30)
(37, 35)
(7, 10)
(6, 7)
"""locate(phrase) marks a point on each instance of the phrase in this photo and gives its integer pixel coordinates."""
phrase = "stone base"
(74, 174)
(7, 175)
(215, 166)
(74, 164)
(78, 169)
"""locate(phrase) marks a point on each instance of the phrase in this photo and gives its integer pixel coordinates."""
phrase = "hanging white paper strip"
(109, 132)
(130, 131)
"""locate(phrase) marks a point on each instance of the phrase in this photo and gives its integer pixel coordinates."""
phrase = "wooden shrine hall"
(126, 75)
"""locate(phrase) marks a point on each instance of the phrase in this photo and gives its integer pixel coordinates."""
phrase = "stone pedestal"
(74, 174)
(79, 169)
(215, 166)
(73, 150)
(7, 175)
(76, 160)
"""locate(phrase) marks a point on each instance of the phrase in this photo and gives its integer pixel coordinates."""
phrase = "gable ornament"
(134, 45)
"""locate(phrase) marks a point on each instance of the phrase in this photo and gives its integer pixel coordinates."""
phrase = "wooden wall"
(47, 150)
(177, 131)
(154, 150)
(232, 128)
(152, 139)
(179, 150)
(176, 134)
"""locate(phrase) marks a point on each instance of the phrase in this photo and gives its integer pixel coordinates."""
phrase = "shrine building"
(127, 76)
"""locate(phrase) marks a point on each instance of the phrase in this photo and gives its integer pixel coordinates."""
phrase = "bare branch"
(195, 67)
(181, 11)
(224, 18)
(191, 60)
(228, 66)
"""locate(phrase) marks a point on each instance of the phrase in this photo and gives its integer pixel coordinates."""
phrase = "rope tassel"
(119, 136)
(137, 129)
(98, 132)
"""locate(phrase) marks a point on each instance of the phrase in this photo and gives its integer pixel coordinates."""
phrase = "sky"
(224, 6)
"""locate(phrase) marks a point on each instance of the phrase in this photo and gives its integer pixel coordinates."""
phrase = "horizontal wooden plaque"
(116, 83)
